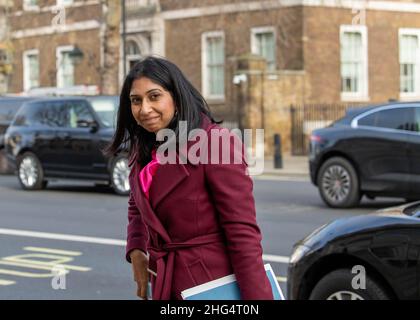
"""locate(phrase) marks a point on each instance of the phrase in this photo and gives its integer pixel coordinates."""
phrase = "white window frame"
(204, 75)
(363, 94)
(29, 7)
(64, 3)
(26, 73)
(132, 57)
(59, 51)
(407, 96)
(265, 29)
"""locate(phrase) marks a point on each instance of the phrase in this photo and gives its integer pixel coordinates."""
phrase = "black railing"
(306, 118)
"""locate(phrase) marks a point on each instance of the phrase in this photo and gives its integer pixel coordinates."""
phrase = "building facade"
(350, 51)
(5, 45)
(316, 52)
(64, 43)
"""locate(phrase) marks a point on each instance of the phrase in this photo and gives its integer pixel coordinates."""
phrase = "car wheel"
(338, 183)
(119, 176)
(337, 285)
(30, 173)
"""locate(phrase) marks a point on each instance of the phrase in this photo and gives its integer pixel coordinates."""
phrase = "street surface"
(82, 228)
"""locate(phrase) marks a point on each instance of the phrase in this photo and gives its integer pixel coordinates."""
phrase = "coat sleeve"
(137, 234)
(231, 190)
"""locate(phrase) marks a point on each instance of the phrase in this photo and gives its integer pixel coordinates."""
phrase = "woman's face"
(151, 105)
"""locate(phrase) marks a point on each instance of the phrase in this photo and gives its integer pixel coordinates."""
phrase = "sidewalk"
(293, 166)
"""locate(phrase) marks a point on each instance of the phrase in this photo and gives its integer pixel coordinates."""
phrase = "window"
(263, 43)
(213, 65)
(133, 54)
(417, 120)
(30, 69)
(398, 118)
(50, 114)
(79, 114)
(61, 114)
(106, 108)
(353, 54)
(30, 4)
(65, 67)
(409, 41)
(61, 3)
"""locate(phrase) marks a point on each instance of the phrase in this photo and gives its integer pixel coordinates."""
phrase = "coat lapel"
(166, 179)
(143, 203)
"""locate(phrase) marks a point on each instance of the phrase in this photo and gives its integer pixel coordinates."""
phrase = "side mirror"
(93, 125)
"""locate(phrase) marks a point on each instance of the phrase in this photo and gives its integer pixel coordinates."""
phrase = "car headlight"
(298, 253)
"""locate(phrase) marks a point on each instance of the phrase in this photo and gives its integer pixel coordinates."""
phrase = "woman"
(195, 221)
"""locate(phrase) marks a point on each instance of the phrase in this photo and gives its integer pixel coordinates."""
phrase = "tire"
(119, 173)
(338, 283)
(338, 183)
(30, 172)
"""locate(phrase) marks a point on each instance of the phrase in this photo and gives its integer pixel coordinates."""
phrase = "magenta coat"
(199, 225)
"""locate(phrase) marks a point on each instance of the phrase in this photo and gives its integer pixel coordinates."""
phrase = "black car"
(370, 257)
(373, 151)
(63, 138)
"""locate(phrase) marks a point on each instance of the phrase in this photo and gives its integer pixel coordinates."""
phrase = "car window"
(60, 114)
(78, 111)
(51, 114)
(8, 109)
(106, 108)
(398, 118)
(417, 119)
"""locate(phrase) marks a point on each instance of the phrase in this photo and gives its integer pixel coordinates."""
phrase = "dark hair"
(189, 103)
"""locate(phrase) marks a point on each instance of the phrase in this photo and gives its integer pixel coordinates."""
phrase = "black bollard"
(278, 159)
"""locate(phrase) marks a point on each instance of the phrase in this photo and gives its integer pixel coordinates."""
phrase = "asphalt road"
(82, 228)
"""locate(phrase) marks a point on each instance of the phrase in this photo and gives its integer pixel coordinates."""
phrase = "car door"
(77, 138)
(381, 149)
(44, 122)
(414, 155)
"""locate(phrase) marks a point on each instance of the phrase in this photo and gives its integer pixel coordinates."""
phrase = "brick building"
(316, 52)
(65, 43)
(5, 54)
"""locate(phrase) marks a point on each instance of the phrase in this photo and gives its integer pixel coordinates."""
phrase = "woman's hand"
(139, 263)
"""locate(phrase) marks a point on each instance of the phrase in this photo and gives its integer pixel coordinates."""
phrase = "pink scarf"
(146, 174)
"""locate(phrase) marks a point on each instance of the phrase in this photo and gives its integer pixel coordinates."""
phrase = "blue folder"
(226, 288)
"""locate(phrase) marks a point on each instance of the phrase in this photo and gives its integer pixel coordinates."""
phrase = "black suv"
(56, 138)
(372, 151)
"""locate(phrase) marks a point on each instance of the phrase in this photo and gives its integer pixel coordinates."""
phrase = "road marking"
(65, 237)
(47, 250)
(6, 282)
(44, 261)
(43, 266)
(106, 241)
(28, 260)
(281, 279)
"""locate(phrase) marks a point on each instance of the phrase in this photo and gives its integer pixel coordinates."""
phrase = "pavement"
(293, 166)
